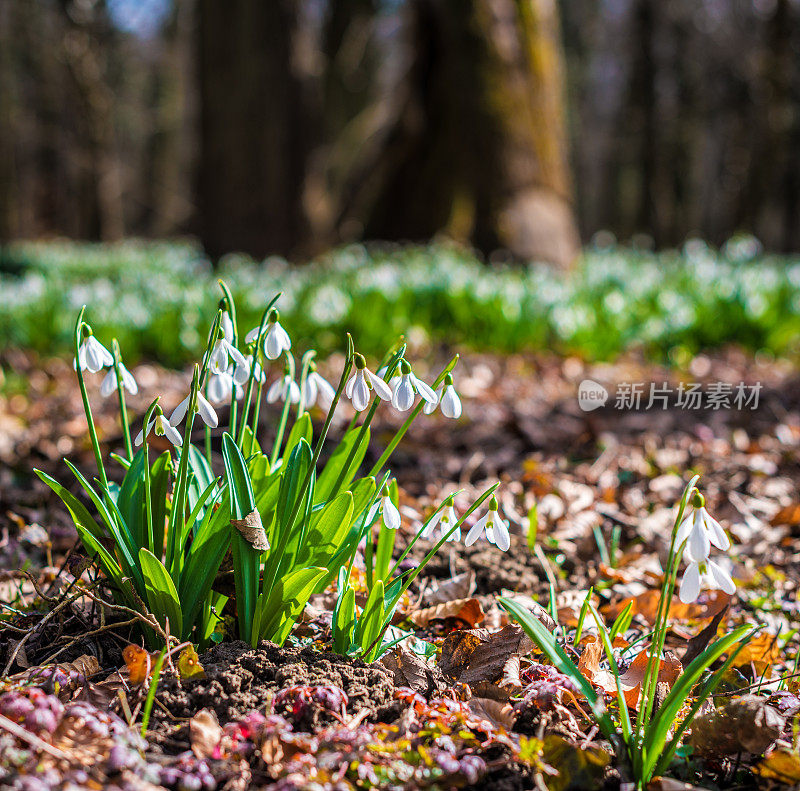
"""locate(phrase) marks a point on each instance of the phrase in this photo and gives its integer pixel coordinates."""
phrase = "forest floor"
(485, 711)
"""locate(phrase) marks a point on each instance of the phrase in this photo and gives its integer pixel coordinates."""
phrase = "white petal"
(128, 382)
(690, 584)
(252, 335)
(276, 341)
(381, 388)
(429, 407)
(391, 516)
(403, 398)
(275, 391)
(699, 546)
(475, 531)
(294, 392)
(351, 382)
(219, 388)
(360, 394)
(227, 326)
(171, 433)
(717, 535)
(451, 404)
(431, 526)
(684, 530)
(219, 356)
(326, 391)
(283, 337)
(426, 392)
(721, 577)
(180, 411)
(139, 437)
(501, 535)
(109, 383)
(206, 412)
(310, 390)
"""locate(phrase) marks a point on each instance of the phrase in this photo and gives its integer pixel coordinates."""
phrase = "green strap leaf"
(162, 597)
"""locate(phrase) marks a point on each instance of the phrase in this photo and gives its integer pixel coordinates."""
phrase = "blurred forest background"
(290, 126)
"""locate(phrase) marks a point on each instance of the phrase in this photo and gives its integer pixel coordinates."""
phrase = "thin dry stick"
(31, 738)
(151, 621)
(78, 639)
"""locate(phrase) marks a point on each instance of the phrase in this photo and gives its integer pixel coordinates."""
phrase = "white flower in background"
(283, 388)
(317, 388)
(163, 429)
(701, 530)
(360, 383)
(204, 409)
(276, 340)
(109, 383)
(389, 512)
(496, 529)
(447, 397)
(406, 386)
(445, 518)
(92, 355)
(222, 385)
(226, 325)
(703, 573)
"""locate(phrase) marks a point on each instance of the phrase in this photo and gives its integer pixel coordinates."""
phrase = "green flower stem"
(79, 325)
(269, 576)
(305, 366)
(287, 404)
(123, 412)
(231, 306)
(148, 497)
(378, 466)
(256, 411)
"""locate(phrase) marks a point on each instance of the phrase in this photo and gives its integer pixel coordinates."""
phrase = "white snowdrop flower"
(204, 409)
(360, 383)
(447, 397)
(496, 529)
(703, 573)
(163, 429)
(276, 339)
(391, 516)
(701, 530)
(220, 385)
(406, 386)
(283, 388)
(444, 520)
(109, 383)
(317, 388)
(222, 351)
(92, 355)
(255, 366)
(226, 325)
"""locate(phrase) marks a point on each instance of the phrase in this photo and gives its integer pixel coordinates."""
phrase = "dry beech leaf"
(589, 664)
(205, 733)
(410, 670)
(646, 605)
(747, 724)
(789, 515)
(531, 604)
(497, 714)
(762, 651)
(467, 610)
(782, 765)
(139, 662)
(85, 665)
(475, 655)
(461, 586)
(579, 767)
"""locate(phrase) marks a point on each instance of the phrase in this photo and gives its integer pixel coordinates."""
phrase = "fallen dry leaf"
(580, 768)
(762, 651)
(646, 605)
(189, 664)
(747, 724)
(410, 670)
(780, 764)
(205, 733)
(467, 610)
(474, 655)
(139, 663)
(497, 714)
(631, 680)
(461, 586)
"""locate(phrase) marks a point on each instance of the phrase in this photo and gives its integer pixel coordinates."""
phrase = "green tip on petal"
(698, 501)
(405, 368)
(449, 501)
(448, 380)
(493, 503)
(274, 316)
(360, 362)
(385, 490)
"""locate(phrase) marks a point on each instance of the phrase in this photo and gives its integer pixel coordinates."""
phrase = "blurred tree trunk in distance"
(252, 141)
(478, 149)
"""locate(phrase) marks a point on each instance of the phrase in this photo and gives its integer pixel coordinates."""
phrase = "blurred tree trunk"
(252, 149)
(478, 148)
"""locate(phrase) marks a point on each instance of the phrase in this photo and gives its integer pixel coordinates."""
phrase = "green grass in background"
(158, 299)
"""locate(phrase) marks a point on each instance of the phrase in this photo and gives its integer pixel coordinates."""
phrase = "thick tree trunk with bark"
(250, 169)
(478, 149)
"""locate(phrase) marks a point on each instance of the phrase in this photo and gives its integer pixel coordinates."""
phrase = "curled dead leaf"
(189, 665)
(497, 714)
(469, 611)
(646, 606)
(747, 724)
(780, 764)
(762, 651)
(139, 663)
(205, 733)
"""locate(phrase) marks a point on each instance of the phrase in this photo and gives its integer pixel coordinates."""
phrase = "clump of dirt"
(239, 679)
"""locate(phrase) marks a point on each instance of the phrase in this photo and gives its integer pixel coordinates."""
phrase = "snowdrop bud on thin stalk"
(444, 519)
(406, 386)
(703, 573)
(362, 381)
(276, 341)
(162, 427)
(81, 359)
(389, 512)
(316, 388)
(447, 397)
(495, 528)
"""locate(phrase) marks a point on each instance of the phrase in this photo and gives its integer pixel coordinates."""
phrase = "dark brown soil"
(239, 679)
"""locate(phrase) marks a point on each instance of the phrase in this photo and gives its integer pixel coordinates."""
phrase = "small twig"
(32, 739)
(78, 639)
(151, 621)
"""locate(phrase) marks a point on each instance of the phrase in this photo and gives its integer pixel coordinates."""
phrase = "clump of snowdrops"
(649, 741)
(292, 525)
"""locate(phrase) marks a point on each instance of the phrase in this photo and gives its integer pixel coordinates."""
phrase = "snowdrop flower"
(226, 325)
(283, 388)
(406, 386)
(222, 384)
(109, 383)
(358, 387)
(92, 355)
(496, 529)
(204, 409)
(700, 530)
(162, 427)
(255, 366)
(224, 349)
(317, 387)
(444, 519)
(276, 340)
(391, 516)
(448, 398)
(703, 573)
